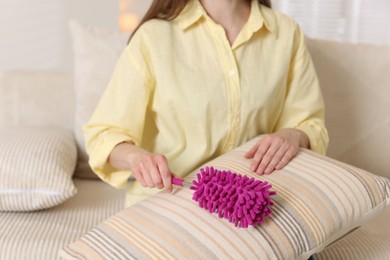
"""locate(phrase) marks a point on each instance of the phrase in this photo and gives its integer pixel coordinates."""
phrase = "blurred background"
(34, 34)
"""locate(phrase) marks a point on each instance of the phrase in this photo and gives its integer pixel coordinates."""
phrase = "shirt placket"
(232, 78)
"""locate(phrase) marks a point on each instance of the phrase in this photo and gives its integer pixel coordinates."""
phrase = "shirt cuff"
(98, 160)
(318, 137)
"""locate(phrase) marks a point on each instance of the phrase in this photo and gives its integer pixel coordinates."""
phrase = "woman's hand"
(151, 170)
(276, 150)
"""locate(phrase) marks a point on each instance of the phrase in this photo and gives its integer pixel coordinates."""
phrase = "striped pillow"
(319, 200)
(36, 168)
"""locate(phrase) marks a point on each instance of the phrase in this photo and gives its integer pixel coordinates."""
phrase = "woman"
(198, 78)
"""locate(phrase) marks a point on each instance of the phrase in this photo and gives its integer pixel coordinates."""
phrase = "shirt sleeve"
(304, 106)
(120, 114)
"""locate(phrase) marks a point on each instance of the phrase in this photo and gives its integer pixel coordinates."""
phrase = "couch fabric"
(369, 242)
(40, 235)
(355, 81)
(28, 98)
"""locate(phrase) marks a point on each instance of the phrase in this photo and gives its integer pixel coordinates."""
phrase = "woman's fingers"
(267, 157)
(138, 175)
(290, 153)
(274, 151)
(145, 170)
(165, 173)
(252, 151)
(261, 149)
(153, 172)
(277, 158)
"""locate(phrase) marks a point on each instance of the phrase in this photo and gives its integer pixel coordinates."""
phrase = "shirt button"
(231, 73)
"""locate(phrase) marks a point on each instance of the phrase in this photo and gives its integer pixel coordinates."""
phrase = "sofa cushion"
(318, 201)
(36, 167)
(355, 81)
(39, 235)
(36, 98)
(95, 54)
(371, 241)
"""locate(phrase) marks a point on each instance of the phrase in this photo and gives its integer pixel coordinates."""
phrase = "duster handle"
(180, 182)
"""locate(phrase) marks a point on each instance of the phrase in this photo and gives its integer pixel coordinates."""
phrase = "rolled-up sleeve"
(304, 106)
(119, 115)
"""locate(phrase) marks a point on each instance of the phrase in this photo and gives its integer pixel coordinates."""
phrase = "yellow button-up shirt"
(180, 89)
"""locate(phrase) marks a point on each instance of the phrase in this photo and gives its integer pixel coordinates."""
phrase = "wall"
(34, 33)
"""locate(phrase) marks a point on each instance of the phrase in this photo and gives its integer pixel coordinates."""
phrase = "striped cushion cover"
(370, 241)
(36, 167)
(318, 201)
(39, 235)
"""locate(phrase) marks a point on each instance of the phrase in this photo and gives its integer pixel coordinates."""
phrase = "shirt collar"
(191, 13)
(260, 16)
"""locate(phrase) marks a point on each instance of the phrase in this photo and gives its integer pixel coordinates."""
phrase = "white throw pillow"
(36, 167)
(95, 54)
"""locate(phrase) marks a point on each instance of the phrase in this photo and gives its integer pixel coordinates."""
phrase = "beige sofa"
(356, 86)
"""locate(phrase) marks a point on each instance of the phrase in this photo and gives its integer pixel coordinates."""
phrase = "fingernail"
(268, 171)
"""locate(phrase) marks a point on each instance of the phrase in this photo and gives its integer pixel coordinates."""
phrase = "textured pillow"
(369, 242)
(319, 200)
(36, 168)
(95, 53)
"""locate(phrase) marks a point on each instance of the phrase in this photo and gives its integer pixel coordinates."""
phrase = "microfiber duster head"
(241, 200)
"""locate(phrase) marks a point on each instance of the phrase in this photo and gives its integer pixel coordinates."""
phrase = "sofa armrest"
(36, 98)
